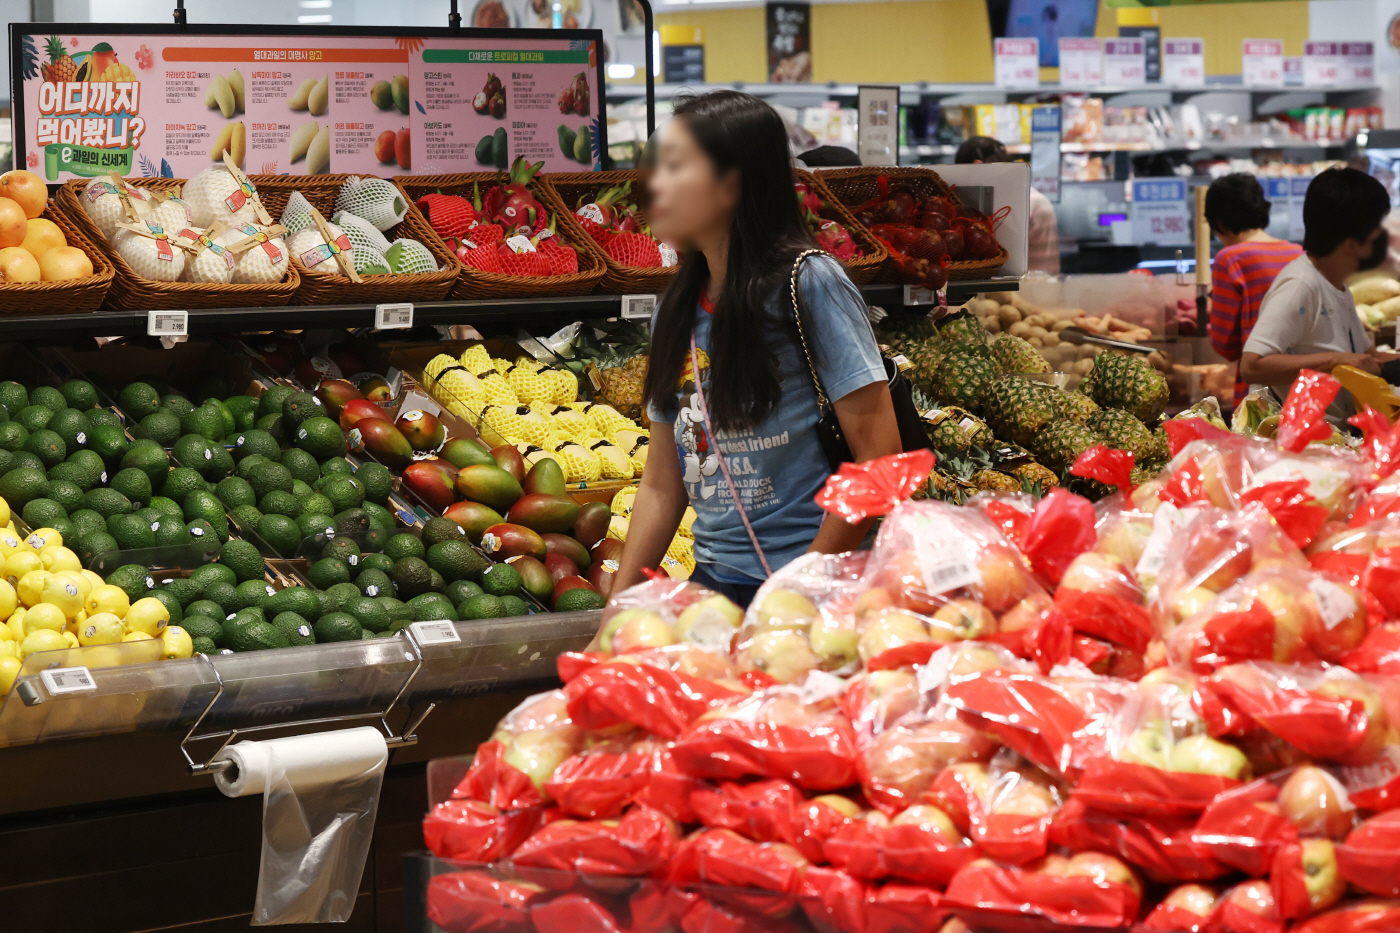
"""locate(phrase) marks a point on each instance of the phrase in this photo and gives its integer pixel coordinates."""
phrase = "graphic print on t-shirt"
(699, 453)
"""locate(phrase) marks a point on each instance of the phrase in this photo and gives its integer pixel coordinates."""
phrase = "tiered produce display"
(1175, 710)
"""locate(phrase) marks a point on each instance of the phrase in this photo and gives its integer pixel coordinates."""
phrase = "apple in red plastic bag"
(1247, 908)
(1218, 556)
(932, 820)
(874, 700)
(1316, 803)
(962, 620)
(1340, 624)
(959, 789)
(1098, 866)
(1201, 754)
(711, 621)
(783, 654)
(1294, 610)
(640, 628)
(1005, 580)
(1378, 727)
(539, 736)
(1025, 613)
(786, 609)
(902, 762)
(1324, 883)
(892, 629)
(1102, 575)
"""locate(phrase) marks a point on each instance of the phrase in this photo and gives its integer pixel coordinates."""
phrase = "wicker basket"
(855, 186)
(571, 188)
(473, 283)
(132, 292)
(77, 296)
(860, 271)
(327, 288)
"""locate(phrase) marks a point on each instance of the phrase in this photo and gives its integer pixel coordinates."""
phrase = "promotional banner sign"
(92, 98)
(789, 28)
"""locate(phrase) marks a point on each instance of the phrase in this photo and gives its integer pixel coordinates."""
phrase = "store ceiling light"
(315, 4)
(317, 18)
(622, 71)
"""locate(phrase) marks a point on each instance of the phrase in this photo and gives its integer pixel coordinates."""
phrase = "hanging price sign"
(1184, 62)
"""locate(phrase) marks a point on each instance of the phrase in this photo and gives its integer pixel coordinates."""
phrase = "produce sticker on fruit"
(97, 99)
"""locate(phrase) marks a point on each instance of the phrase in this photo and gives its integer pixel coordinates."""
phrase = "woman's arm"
(867, 419)
(656, 512)
(1278, 368)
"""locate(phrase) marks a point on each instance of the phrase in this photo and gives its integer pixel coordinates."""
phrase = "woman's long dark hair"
(737, 131)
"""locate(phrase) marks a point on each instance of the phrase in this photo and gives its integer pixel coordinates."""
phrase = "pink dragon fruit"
(836, 240)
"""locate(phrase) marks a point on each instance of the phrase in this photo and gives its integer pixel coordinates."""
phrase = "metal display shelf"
(61, 328)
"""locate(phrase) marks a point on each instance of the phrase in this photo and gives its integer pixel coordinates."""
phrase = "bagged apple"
(576, 913)
(762, 811)
(898, 765)
(479, 902)
(1327, 713)
(1246, 908)
(1344, 550)
(818, 819)
(875, 700)
(1162, 847)
(763, 878)
(667, 789)
(1101, 598)
(660, 690)
(603, 779)
(665, 612)
(1381, 578)
(705, 916)
(833, 901)
(472, 831)
(1123, 534)
(1186, 909)
(1371, 915)
(1158, 759)
(509, 771)
(638, 845)
(1369, 858)
(896, 907)
(1378, 653)
(797, 733)
(921, 845)
(1305, 878)
(1089, 889)
(1010, 819)
(1051, 532)
(805, 617)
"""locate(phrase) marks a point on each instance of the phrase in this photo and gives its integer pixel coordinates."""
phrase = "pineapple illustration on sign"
(98, 64)
(60, 66)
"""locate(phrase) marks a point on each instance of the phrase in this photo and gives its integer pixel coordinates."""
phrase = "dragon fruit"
(513, 205)
(836, 240)
(574, 98)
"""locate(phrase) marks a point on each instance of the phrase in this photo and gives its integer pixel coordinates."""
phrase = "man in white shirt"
(1308, 318)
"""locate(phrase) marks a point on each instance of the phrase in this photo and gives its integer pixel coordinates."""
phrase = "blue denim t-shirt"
(778, 465)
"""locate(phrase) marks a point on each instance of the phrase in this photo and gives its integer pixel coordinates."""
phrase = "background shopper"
(1043, 245)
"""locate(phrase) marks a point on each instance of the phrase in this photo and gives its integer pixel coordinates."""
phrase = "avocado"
(486, 150)
(243, 559)
(566, 141)
(499, 148)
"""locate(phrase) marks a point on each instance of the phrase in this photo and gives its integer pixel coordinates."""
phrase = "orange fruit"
(14, 226)
(63, 263)
(17, 265)
(43, 236)
(26, 189)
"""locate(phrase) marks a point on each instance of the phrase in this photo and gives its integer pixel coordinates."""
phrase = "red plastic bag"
(1370, 857)
(1382, 440)
(1186, 909)
(661, 691)
(472, 831)
(761, 877)
(1161, 847)
(921, 845)
(1246, 908)
(1367, 916)
(1010, 820)
(1090, 890)
(1107, 465)
(1378, 653)
(763, 811)
(1206, 472)
(1291, 506)
(899, 765)
(858, 491)
(704, 916)
(638, 845)
(657, 907)
(903, 908)
(1303, 419)
(492, 781)
(1305, 879)
(668, 789)
(575, 913)
(782, 732)
(818, 819)
(603, 780)
(1101, 598)
(477, 902)
(875, 700)
(1060, 529)
(510, 770)
(833, 901)
(1243, 827)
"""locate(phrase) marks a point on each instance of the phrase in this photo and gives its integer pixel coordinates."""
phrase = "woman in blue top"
(722, 189)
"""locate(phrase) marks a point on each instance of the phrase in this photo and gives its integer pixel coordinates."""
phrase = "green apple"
(835, 642)
(1147, 746)
(711, 621)
(782, 654)
(892, 628)
(785, 609)
(1201, 754)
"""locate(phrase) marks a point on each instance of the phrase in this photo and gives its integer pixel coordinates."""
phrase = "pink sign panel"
(97, 99)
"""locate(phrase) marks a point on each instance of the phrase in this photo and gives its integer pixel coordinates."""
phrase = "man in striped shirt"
(1245, 268)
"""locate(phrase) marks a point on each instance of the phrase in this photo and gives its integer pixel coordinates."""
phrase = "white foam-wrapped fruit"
(296, 216)
(310, 239)
(173, 215)
(407, 257)
(152, 259)
(104, 205)
(213, 264)
(377, 200)
(207, 193)
(264, 263)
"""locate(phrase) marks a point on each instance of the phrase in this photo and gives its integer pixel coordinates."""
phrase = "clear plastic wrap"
(919, 845)
(603, 779)
(665, 612)
(510, 771)
(899, 765)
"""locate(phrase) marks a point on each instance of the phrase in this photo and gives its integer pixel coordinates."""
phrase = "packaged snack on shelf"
(797, 733)
(1089, 889)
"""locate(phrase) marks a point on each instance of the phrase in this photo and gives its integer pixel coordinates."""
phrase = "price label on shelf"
(1263, 62)
(62, 680)
(1322, 64)
(1358, 62)
(437, 632)
(1081, 63)
(1018, 62)
(1184, 62)
(1160, 213)
(638, 307)
(168, 324)
(914, 295)
(1124, 62)
(393, 316)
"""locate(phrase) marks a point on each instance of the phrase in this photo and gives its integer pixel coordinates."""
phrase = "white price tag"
(393, 316)
(1263, 62)
(1081, 62)
(168, 324)
(412, 400)
(1124, 62)
(1017, 62)
(1358, 62)
(638, 307)
(437, 632)
(61, 680)
(946, 566)
(1333, 603)
(1322, 64)
(1184, 62)
(914, 295)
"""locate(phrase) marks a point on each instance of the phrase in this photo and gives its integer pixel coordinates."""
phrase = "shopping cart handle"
(1369, 390)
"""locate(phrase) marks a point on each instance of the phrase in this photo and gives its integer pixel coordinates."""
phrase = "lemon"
(15, 623)
(9, 649)
(56, 557)
(148, 615)
(9, 669)
(76, 578)
(19, 563)
(41, 538)
(10, 543)
(136, 636)
(71, 639)
(44, 616)
(101, 629)
(6, 635)
(75, 624)
(4, 513)
(93, 578)
(108, 598)
(31, 586)
(42, 640)
(9, 599)
(65, 594)
(178, 643)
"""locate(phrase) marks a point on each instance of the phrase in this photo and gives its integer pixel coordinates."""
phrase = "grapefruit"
(26, 189)
(14, 226)
(17, 265)
(43, 236)
(63, 263)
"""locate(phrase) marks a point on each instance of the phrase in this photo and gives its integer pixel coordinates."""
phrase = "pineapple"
(1122, 431)
(1059, 445)
(1146, 473)
(1033, 474)
(1129, 383)
(1018, 409)
(623, 388)
(962, 379)
(1014, 355)
(995, 480)
(1074, 406)
(978, 434)
(944, 431)
(61, 66)
(962, 331)
(1160, 450)
(924, 360)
